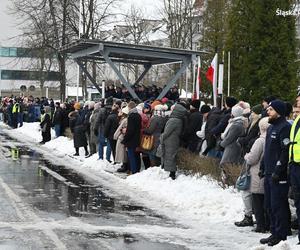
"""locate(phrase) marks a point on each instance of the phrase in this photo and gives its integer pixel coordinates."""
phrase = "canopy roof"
(112, 52)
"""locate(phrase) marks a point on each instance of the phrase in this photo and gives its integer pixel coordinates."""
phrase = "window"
(29, 75)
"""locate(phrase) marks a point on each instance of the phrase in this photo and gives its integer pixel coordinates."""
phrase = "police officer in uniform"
(274, 168)
(294, 165)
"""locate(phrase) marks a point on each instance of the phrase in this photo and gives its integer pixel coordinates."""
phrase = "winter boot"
(273, 242)
(172, 175)
(77, 152)
(123, 169)
(246, 222)
(266, 240)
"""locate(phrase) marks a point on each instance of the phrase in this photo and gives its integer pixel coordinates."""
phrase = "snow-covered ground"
(204, 210)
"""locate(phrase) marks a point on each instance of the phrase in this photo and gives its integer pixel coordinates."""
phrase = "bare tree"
(51, 24)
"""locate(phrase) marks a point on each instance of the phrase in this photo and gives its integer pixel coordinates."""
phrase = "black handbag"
(243, 181)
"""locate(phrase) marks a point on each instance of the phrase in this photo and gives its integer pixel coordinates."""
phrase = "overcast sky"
(9, 29)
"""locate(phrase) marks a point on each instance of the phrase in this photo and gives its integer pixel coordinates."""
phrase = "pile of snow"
(199, 204)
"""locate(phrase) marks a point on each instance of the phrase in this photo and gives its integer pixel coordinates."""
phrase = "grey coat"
(170, 139)
(121, 155)
(232, 150)
(253, 159)
(93, 120)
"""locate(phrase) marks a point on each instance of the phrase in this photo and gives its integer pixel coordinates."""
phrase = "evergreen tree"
(263, 50)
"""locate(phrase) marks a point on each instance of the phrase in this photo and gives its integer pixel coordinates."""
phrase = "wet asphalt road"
(44, 206)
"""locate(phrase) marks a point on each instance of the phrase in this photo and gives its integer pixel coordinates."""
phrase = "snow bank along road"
(202, 212)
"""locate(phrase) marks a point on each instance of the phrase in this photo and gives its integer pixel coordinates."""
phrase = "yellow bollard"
(15, 153)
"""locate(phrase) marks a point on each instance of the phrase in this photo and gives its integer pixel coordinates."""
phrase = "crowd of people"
(263, 137)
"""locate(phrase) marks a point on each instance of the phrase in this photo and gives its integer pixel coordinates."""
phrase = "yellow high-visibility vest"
(294, 150)
(16, 108)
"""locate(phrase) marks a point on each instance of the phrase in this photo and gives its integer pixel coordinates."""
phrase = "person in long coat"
(194, 124)
(78, 130)
(156, 125)
(121, 155)
(46, 125)
(93, 138)
(253, 160)
(132, 136)
(234, 129)
(170, 139)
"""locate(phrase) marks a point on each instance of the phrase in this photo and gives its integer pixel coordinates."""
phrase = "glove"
(275, 178)
(96, 132)
(261, 174)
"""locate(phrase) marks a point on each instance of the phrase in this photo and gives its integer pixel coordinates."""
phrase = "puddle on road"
(71, 193)
(57, 193)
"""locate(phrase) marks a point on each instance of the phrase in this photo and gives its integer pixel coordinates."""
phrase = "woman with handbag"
(253, 159)
(155, 128)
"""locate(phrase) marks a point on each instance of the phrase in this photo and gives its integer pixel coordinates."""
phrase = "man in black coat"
(274, 168)
(57, 119)
(132, 136)
(193, 125)
(110, 127)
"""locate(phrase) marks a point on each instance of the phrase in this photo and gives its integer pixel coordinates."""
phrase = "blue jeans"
(101, 144)
(57, 129)
(20, 119)
(132, 160)
(215, 153)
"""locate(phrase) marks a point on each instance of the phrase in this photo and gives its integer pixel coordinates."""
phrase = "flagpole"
(186, 83)
(228, 75)
(194, 78)
(215, 81)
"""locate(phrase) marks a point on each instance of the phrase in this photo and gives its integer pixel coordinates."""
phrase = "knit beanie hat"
(205, 109)
(257, 109)
(195, 104)
(237, 111)
(230, 101)
(279, 106)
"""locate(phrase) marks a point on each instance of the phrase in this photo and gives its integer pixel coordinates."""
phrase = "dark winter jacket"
(100, 120)
(223, 122)
(78, 129)
(276, 152)
(250, 137)
(194, 124)
(213, 119)
(133, 133)
(155, 128)
(46, 128)
(57, 117)
(111, 125)
(87, 123)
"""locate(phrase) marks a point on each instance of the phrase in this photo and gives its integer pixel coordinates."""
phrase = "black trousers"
(262, 219)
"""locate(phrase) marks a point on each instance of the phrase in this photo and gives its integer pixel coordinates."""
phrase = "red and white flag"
(198, 80)
(211, 75)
